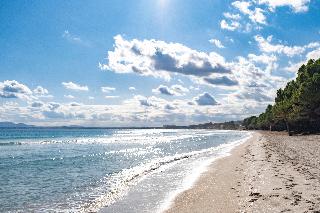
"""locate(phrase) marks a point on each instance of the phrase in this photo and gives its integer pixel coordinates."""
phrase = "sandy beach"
(271, 172)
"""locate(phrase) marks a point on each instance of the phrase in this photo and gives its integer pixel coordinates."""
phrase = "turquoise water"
(84, 170)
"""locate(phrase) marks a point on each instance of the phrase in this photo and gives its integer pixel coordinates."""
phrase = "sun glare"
(163, 3)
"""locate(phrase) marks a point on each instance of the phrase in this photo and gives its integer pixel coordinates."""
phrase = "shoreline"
(191, 181)
(211, 182)
(271, 172)
(172, 180)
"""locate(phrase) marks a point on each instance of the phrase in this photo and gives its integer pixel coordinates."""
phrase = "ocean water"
(106, 170)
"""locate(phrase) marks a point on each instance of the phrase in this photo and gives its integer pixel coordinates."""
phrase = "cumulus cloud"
(180, 89)
(148, 101)
(161, 59)
(107, 89)
(132, 89)
(14, 89)
(266, 46)
(73, 86)
(232, 26)
(252, 9)
(296, 5)
(37, 104)
(139, 110)
(169, 107)
(232, 16)
(111, 96)
(53, 105)
(255, 83)
(224, 81)
(53, 111)
(242, 6)
(205, 99)
(75, 104)
(255, 15)
(164, 90)
(264, 58)
(40, 91)
(254, 93)
(293, 67)
(175, 90)
(313, 54)
(217, 43)
(69, 96)
(269, 60)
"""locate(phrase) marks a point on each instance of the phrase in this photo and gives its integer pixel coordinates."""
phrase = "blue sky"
(142, 62)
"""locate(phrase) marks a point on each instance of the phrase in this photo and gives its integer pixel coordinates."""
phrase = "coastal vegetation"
(297, 106)
(229, 125)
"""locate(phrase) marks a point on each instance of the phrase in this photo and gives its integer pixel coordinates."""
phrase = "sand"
(271, 172)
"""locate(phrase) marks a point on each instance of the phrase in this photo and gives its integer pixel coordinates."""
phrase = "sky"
(149, 62)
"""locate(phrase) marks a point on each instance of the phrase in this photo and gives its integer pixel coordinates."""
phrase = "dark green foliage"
(297, 106)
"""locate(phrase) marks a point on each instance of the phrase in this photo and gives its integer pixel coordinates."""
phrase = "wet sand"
(271, 172)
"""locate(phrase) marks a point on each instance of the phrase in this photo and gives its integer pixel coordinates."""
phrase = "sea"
(104, 170)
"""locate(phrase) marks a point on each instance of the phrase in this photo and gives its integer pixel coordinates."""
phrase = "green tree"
(297, 105)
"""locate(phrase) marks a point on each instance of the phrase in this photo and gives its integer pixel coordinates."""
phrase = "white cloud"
(73, 86)
(242, 6)
(137, 111)
(164, 90)
(248, 74)
(175, 90)
(75, 104)
(296, 5)
(147, 101)
(14, 89)
(111, 97)
(132, 89)
(250, 79)
(266, 46)
(268, 60)
(314, 54)
(222, 81)
(232, 16)
(40, 91)
(69, 96)
(256, 15)
(37, 104)
(255, 94)
(252, 9)
(217, 43)
(161, 59)
(169, 107)
(205, 99)
(313, 45)
(231, 27)
(74, 39)
(180, 89)
(294, 67)
(264, 58)
(107, 89)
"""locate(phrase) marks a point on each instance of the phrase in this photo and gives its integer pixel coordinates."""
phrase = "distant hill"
(14, 125)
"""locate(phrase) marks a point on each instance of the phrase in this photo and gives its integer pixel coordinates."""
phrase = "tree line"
(297, 106)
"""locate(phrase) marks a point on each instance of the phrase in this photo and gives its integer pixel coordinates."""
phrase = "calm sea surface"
(90, 170)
